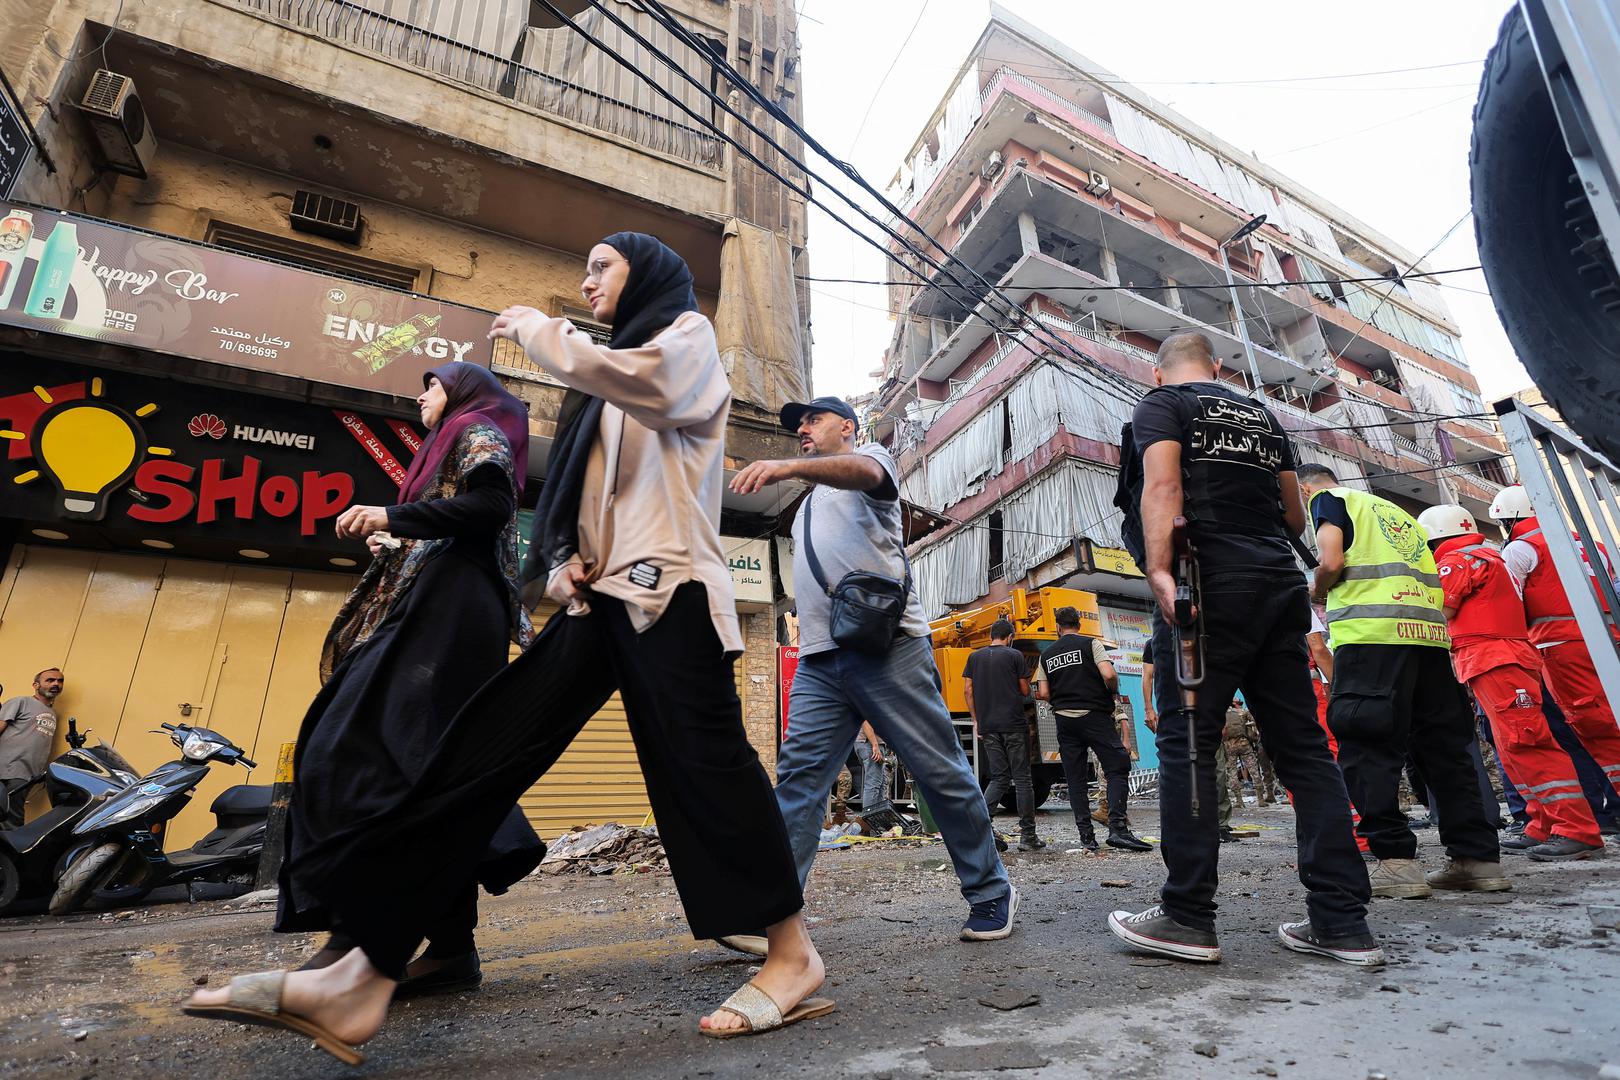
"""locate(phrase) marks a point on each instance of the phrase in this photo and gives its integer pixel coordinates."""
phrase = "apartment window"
(284, 249)
(997, 561)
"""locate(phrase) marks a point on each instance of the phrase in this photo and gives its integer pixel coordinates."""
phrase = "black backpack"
(1128, 495)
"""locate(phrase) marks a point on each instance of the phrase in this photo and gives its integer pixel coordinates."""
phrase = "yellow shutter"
(597, 779)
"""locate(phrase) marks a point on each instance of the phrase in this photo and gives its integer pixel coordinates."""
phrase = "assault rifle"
(1188, 630)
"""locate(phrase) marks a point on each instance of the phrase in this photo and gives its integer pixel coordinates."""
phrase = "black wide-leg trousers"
(388, 878)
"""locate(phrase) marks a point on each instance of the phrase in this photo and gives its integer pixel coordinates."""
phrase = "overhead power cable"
(1221, 286)
(748, 89)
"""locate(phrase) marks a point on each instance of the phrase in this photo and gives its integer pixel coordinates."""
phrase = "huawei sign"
(206, 425)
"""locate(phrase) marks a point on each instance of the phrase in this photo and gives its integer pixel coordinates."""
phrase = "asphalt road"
(597, 977)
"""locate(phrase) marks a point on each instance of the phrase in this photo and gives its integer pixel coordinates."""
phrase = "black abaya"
(373, 727)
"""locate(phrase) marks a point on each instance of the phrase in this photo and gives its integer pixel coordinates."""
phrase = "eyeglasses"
(595, 270)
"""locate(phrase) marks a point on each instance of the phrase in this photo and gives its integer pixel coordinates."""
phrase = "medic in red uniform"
(1321, 659)
(1571, 676)
(1490, 648)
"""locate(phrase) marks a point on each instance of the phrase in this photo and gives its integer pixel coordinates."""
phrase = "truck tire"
(81, 877)
(1549, 270)
(1009, 802)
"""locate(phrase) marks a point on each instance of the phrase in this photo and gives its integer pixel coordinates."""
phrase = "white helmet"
(1511, 504)
(1447, 519)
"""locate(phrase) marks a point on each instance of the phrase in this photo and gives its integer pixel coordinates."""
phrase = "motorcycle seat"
(23, 838)
(243, 800)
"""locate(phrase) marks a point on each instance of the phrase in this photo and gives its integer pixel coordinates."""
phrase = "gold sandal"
(760, 1013)
(256, 999)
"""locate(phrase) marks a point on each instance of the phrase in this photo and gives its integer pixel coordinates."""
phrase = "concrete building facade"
(390, 156)
(1104, 215)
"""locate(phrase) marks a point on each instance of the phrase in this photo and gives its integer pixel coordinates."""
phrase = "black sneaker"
(1089, 841)
(1564, 849)
(1609, 827)
(1124, 838)
(1358, 950)
(1516, 825)
(1001, 845)
(1155, 932)
(1031, 843)
(991, 920)
(1516, 843)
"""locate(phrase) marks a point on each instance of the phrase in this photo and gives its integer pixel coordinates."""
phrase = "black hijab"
(657, 292)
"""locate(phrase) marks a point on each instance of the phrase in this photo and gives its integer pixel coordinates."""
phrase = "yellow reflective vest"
(1390, 592)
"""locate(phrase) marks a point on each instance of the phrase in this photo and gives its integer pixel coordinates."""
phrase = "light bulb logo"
(89, 448)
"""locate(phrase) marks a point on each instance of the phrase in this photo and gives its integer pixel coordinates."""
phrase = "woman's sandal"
(760, 1013)
(256, 999)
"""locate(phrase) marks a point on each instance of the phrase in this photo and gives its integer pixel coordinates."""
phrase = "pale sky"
(1391, 150)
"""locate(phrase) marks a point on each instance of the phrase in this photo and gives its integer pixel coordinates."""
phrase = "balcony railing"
(1006, 75)
(350, 24)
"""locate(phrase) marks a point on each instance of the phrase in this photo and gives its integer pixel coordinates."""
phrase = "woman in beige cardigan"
(627, 536)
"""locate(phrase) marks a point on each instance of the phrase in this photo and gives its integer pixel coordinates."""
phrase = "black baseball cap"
(792, 414)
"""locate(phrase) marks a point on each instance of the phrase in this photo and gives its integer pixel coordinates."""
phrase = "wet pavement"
(597, 977)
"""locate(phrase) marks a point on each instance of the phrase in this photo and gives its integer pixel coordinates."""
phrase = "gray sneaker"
(1358, 950)
(1564, 849)
(1156, 932)
(1398, 879)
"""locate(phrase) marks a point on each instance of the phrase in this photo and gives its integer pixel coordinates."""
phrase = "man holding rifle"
(1222, 461)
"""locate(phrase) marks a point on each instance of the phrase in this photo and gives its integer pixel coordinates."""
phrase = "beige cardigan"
(649, 519)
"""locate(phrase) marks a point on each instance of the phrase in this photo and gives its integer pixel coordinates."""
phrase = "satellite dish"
(545, 20)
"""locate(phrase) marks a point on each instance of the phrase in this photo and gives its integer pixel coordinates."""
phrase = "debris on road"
(1008, 1000)
(1117, 883)
(1207, 1049)
(1604, 916)
(606, 849)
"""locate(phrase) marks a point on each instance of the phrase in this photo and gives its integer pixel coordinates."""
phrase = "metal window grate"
(324, 215)
(105, 91)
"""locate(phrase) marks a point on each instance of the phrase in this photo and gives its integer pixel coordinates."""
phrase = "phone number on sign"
(251, 350)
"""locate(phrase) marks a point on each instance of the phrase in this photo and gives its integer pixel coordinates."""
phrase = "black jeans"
(1389, 700)
(1255, 624)
(1007, 753)
(716, 813)
(1097, 732)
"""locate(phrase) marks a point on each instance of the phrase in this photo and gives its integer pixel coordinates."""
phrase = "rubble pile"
(606, 849)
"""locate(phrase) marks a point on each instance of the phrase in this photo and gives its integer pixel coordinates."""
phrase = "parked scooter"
(31, 855)
(118, 855)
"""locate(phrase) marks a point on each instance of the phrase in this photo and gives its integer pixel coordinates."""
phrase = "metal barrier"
(350, 24)
(1572, 489)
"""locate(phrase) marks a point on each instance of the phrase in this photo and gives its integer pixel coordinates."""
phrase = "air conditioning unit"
(323, 215)
(1383, 378)
(992, 165)
(118, 119)
(1098, 184)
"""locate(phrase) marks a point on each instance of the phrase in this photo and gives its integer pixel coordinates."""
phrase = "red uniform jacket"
(1546, 604)
(1488, 631)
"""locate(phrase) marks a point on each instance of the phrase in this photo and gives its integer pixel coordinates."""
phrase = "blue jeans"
(874, 779)
(898, 693)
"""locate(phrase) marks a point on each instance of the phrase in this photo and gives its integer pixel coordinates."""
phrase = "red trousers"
(1575, 686)
(1541, 770)
(1333, 748)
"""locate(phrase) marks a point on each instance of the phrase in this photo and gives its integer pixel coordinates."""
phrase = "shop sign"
(15, 145)
(750, 563)
(96, 280)
(1115, 561)
(150, 456)
(1130, 630)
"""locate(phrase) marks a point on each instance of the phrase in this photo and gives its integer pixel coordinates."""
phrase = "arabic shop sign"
(750, 562)
(96, 280)
(141, 458)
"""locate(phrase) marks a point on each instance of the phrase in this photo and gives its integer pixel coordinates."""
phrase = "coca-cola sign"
(93, 279)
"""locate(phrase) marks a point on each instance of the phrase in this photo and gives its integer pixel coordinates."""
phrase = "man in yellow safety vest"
(1394, 689)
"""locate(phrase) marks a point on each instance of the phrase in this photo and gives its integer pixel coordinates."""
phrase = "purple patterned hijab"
(473, 395)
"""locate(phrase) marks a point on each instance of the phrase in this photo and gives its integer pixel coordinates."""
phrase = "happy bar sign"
(96, 280)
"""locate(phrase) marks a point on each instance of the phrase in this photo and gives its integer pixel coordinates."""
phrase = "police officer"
(1223, 461)
(1393, 687)
(1491, 652)
(1079, 680)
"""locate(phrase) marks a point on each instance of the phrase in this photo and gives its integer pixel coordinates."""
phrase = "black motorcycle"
(32, 855)
(118, 855)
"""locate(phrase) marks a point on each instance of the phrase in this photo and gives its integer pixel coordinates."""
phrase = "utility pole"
(1237, 309)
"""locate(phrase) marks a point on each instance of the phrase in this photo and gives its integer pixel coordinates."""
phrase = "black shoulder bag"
(866, 607)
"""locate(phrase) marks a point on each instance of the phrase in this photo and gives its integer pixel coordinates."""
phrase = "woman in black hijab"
(430, 621)
(627, 537)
